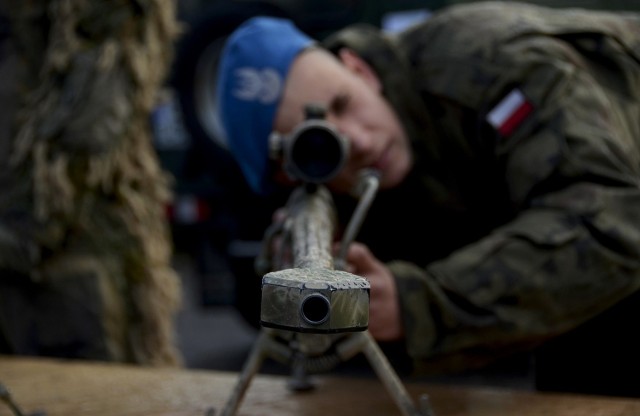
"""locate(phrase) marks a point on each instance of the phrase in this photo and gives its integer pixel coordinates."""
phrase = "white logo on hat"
(257, 85)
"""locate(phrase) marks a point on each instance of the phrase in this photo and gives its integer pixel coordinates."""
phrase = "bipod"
(267, 346)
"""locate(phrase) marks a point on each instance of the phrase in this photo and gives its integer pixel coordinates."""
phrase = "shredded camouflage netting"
(82, 142)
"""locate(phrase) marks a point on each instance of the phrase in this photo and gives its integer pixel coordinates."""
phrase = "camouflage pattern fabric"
(84, 243)
(523, 234)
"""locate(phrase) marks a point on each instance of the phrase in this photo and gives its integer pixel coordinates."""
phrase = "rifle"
(313, 314)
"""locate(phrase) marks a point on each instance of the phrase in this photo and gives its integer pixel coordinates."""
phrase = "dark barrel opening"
(315, 309)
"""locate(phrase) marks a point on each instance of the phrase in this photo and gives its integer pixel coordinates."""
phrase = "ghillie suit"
(84, 245)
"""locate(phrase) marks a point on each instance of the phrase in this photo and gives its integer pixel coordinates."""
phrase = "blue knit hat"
(251, 75)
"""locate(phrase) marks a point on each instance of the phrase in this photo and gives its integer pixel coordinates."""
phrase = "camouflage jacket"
(85, 248)
(521, 217)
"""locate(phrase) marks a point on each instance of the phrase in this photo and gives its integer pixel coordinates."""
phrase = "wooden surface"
(72, 388)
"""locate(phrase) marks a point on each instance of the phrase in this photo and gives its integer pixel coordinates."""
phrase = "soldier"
(507, 139)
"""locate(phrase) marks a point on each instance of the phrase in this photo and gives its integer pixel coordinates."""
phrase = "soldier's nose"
(360, 143)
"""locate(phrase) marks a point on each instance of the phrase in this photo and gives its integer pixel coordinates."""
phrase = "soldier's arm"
(574, 248)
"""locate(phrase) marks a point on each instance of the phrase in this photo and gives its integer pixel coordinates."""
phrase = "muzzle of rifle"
(312, 296)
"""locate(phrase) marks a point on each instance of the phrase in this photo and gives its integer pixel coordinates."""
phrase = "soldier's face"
(351, 93)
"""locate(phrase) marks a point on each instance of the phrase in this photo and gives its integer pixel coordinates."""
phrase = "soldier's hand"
(384, 310)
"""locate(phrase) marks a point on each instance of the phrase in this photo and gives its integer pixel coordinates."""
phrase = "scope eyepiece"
(315, 151)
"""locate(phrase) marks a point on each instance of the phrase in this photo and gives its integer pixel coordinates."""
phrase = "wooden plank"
(78, 388)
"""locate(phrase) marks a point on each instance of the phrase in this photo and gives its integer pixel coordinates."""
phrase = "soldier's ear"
(355, 64)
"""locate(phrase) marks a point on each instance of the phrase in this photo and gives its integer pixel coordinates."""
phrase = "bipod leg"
(265, 346)
(390, 379)
(299, 380)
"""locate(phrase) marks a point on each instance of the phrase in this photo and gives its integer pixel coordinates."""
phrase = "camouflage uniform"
(525, 234)
(84, 244)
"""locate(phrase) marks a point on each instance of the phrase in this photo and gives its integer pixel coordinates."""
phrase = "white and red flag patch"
(512, 110)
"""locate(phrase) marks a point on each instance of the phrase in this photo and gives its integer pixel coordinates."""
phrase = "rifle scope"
(314, 151)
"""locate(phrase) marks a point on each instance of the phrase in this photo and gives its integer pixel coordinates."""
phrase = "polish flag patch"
(512, 110)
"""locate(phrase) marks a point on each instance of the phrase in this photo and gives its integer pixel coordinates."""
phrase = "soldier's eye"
(339, 104)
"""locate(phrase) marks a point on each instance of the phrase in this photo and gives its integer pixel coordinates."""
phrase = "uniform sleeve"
(573, 249)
